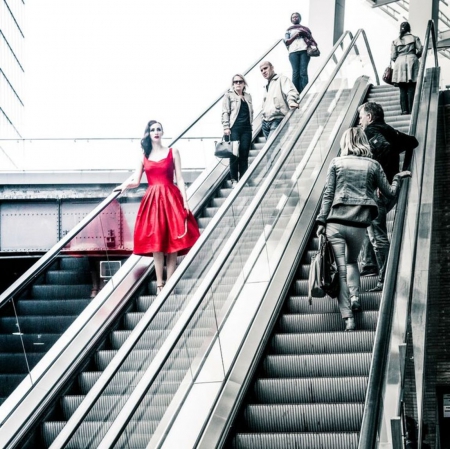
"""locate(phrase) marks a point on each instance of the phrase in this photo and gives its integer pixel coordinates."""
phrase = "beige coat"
(231, 104)
(405, 53)
(278, 98)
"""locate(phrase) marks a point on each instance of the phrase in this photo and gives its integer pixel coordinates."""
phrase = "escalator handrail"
(160, 300)
(381, 344)
(164, 353)
(429, 32)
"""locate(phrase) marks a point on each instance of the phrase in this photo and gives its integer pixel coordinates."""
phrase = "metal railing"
(370, 420)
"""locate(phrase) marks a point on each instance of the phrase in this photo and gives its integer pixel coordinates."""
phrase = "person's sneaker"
(356, 304)
(369, 271)
(378, 288)
(350, 325)
(233, 183)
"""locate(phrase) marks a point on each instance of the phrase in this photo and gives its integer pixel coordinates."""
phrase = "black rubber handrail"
(367, 438)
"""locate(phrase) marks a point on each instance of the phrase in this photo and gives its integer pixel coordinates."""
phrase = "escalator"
(121, 385)
(310, 387)
(169, 310)
(310, 384)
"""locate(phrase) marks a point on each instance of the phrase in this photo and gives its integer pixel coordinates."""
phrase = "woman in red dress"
(164, 223)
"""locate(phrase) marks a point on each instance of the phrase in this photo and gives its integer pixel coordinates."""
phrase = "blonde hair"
(354, 142)
(242, 77)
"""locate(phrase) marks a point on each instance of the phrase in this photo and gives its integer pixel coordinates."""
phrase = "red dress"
(162, 224)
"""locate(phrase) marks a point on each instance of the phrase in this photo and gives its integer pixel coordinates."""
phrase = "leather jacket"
(386, 144)
(352, 181)
(231, 104)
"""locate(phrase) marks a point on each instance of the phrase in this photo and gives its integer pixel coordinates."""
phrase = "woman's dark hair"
(405, 27)
(299, 15)
(146, 142)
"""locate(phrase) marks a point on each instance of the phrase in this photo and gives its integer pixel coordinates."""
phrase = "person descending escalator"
(348, 207)
(164, 223)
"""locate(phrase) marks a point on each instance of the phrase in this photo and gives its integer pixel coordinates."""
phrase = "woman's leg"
(294, 59)
(159, 268)
(403, 98)
(244, 149)
(233, 159)
(354, 238)
(304, 61)
(335, 234)
(171, 264)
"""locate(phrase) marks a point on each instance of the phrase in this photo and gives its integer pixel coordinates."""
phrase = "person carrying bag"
(237, 118)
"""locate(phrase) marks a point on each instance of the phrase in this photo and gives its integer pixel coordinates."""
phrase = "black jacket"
(387, 144)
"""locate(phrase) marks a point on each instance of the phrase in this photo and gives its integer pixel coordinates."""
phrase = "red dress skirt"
(162, 224)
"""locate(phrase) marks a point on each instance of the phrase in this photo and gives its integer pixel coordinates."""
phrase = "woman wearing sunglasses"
(237, 118)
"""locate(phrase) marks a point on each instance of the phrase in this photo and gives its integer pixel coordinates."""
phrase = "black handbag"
(314, 281)
(226, 149)
(323, 275)
(313, 51)
(387, 75)
(330, 273)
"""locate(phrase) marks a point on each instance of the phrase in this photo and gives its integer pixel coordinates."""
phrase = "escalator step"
(107, 402)
(346, 440)
(304, 417)
(17, 363)
(37, 324)
(304, 391)
(51, 307)
(140, 359)
(31, 342)
(87, 379)
(161, 321)
(8, 382)
(325, 322)
(61, 291)
(300, 304)
(90, 434)
(86, 433)
(317, 365)
(68, 277)
(74, 263)
(323, 343)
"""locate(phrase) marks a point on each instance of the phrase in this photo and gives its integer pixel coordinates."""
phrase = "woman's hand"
(227, 132)
(186, 206)
(320, 230)
(404, 174)
(120, 188)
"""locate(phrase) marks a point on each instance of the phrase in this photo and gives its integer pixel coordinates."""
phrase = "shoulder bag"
(387, 75)
(226, 148)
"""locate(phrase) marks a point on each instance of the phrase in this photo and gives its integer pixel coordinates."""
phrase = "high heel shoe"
(159, 288)
(94, 293)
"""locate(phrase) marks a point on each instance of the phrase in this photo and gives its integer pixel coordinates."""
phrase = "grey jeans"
(346, 242)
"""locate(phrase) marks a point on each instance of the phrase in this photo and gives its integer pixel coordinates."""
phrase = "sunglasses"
(238, 81)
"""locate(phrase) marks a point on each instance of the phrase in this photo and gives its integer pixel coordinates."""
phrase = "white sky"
(103, 68)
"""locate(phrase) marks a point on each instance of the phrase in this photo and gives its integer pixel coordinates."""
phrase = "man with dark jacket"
(387, 144)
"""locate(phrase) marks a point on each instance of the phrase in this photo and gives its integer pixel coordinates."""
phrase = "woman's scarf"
(305, 33)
